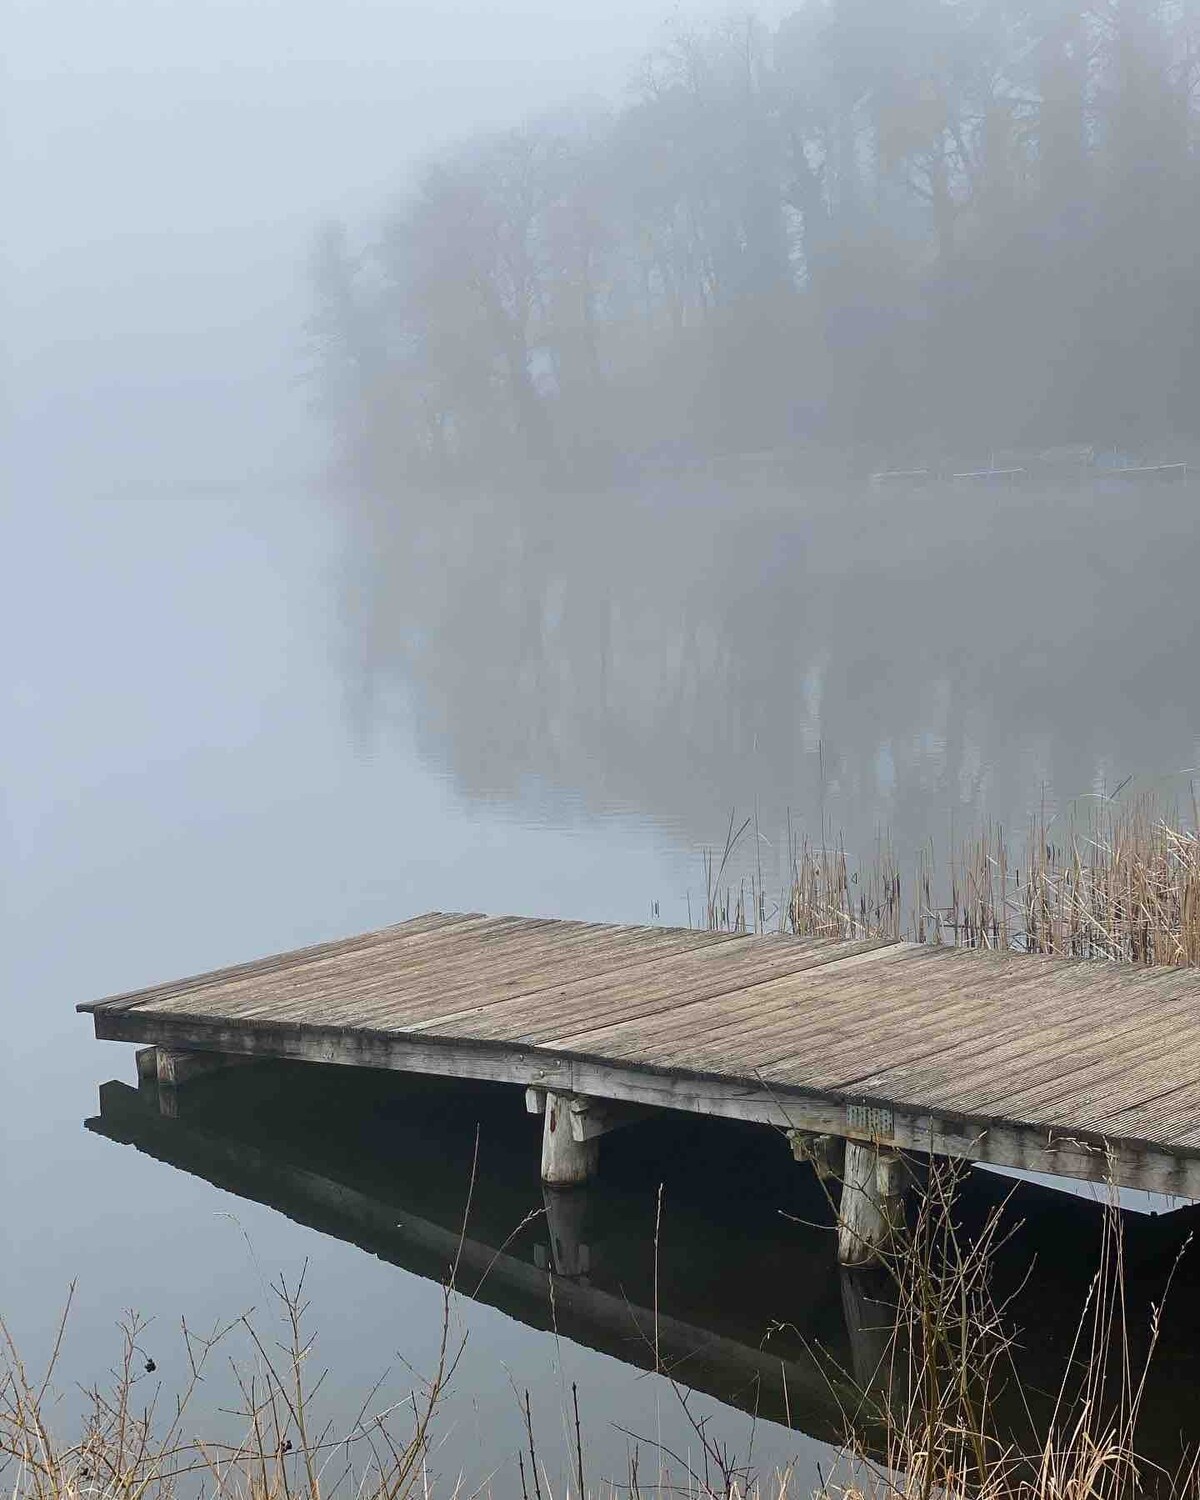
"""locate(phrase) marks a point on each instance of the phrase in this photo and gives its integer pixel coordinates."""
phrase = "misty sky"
(168, 160)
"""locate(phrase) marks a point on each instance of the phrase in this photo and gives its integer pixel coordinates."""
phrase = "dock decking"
(1081, 1068)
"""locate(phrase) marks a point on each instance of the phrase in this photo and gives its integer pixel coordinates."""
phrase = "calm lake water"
(246, 714)
(246, 709)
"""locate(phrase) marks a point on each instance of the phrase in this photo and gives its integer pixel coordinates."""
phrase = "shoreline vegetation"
(931, 1419)
(1120, 882)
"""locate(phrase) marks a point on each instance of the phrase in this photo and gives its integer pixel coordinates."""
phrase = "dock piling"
(872, 1203)
(566, 1162)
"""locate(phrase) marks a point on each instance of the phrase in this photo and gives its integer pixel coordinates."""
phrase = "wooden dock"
(863, 1050)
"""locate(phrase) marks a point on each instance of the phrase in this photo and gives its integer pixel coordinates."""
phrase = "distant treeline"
(892, 227)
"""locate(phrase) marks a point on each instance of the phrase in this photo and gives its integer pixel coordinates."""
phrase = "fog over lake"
(303, 636)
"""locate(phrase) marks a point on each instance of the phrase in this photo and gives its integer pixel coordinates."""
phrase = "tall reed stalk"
(947, 1370)
(1121, 881)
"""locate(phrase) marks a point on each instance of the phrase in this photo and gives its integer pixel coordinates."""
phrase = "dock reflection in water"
(740, 1298)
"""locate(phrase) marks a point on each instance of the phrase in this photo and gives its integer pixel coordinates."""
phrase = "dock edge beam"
(1086, 1156)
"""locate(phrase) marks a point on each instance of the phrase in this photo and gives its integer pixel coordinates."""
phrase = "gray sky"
(169, 157)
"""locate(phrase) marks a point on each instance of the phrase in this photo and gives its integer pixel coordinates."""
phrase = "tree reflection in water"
(878, 660)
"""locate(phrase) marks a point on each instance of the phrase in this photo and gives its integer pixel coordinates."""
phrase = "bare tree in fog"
(468, 282)
(912, 227)
(346, 346)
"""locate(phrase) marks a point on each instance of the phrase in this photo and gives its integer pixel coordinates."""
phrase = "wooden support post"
(565, 1161)
(147, 1065)
(872, 1202)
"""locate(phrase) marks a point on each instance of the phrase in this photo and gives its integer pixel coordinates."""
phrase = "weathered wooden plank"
(793, 1013)
(550, 1019)
(439, 953)
(984, 1043)
(777, 1020)
(635, 1021)
(631, 973)
(410, 1001)
(945, 1054)
(425, 955)
(430, 979)
(1064, 1037)
(264, 966)
(1162, 1107)
(839, 994)
(1061, 1075)
(568, 993)
(218, 984)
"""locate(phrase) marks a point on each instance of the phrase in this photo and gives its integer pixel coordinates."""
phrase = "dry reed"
(130, 1442)
(1120, 882)
(947, 1363)
(927, 1423)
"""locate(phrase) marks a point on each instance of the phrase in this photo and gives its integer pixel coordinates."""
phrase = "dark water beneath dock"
(700, 1252)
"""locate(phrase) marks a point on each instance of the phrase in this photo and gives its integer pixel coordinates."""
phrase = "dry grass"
(1124, 885)
(949, 1359)
(1121, 882)
(132, 1442)
(927, 1424)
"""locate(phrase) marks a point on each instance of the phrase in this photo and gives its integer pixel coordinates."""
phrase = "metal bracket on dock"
(870, 1121)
